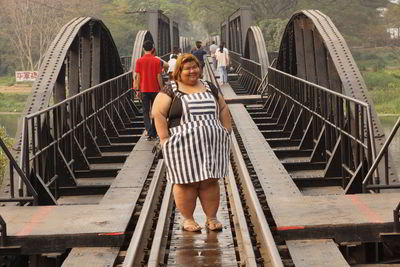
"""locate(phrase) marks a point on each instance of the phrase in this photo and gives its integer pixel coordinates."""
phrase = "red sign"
(26, 76)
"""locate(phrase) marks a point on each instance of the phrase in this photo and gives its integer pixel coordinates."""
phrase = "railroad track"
(153, 226)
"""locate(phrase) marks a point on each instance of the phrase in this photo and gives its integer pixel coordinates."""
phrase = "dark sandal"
(213, 224)
(190, 225)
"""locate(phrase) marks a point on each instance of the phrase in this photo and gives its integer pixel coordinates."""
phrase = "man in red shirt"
(148, 80)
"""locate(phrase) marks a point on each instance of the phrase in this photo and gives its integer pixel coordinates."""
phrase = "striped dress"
(198, 148)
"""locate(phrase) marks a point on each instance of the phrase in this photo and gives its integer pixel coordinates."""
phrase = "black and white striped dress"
(198, 148)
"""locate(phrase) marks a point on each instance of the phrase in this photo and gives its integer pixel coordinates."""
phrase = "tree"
(31, 25)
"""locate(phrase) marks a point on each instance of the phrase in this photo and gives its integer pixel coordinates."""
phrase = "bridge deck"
(297, 216)
(126, 188)
(52, 228)
(307, 253)
(360, 217)
(207, 248)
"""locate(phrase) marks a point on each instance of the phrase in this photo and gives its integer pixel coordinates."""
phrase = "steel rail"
(29, 116)
(32, 122)
(320, 117)
(210, 73)
(382, 152)
(14, 165)
(74, 128)
(134, 245)
(260, 221)
(252, 74)
(249, 259)
(369, 128)
(321, 87)
(154, 256)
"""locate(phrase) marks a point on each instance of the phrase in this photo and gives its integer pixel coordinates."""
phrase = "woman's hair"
(180, 62)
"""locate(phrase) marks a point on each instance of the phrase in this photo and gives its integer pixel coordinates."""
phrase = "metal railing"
(209, 73)
(58, 140)
(3, 232)
(376, 184)
(126, 62)
(249, 72)
(31, 195)
(345, 122)
(263, 86)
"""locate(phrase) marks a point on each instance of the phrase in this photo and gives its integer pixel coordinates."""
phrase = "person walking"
(213, 49)
(171, 64)
(222, 56)
(199, 53)
(148, 81)
(194, 126)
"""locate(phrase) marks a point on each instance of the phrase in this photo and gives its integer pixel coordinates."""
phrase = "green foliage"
(384, 88)
(12, 102)
(3, 158)
(377, 58)
(273, 30)
(381, 79)
(387, 101)
(7, 80)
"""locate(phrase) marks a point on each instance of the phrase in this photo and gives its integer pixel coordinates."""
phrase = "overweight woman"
(194, 126)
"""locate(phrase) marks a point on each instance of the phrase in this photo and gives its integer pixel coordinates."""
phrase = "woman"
(194, 125)
(222, 56)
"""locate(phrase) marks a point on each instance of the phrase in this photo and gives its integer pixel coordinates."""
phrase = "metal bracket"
(3, 231)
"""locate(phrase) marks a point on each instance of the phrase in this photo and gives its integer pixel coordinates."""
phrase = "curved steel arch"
(141, 37)
(255, 48)
(83, 54)
(312, 48)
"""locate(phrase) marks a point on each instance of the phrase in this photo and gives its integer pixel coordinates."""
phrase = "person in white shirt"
(222, 56)
(213, 49)
(171, 65)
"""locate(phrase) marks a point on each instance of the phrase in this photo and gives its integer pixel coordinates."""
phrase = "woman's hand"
(163, 140)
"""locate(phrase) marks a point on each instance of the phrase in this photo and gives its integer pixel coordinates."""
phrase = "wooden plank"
(227, 91)
(52, 228)
(270, 171)
(79, 200)
(207, 248)
(349, 218)
(125, 188)
(322, 191)
(243, 99)
(121, 195)
(315, 253)
(91, 257)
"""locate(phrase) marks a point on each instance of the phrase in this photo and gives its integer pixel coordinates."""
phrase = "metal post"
(396, 219)
(3, 230)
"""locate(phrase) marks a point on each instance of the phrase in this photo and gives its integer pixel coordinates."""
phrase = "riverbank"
(13, 102)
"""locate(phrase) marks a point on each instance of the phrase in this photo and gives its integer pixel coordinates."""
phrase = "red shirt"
(148, 67)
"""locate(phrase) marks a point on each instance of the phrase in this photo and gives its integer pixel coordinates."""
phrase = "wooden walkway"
(126, 188)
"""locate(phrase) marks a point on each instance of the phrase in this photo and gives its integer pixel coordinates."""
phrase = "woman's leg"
(209, 198)
(185, 196)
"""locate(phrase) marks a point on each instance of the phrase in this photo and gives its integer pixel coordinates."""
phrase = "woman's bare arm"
(224, 115)
(160, 110)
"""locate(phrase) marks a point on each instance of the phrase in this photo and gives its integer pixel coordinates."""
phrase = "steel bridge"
(312, 181)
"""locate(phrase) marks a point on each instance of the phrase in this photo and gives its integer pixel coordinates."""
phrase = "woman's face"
(190, 73)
